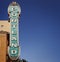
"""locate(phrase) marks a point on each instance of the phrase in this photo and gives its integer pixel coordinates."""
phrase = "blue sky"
(39, 29)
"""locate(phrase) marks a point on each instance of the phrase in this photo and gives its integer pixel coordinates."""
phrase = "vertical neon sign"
(14, 11)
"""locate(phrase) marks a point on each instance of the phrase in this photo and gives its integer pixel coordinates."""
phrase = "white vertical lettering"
(14, 45)
(14, 38)
(14, 26)
(12, 32)
(13, 51)
(14, 20)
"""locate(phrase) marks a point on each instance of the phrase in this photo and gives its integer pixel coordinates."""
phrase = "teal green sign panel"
(14, 52)
(13, 49)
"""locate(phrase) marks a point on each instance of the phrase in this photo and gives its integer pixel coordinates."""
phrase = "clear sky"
(39, 29)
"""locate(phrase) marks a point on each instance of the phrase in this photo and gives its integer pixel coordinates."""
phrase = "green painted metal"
(13, 49)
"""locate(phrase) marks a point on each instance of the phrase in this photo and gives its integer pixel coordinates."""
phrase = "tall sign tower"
(14, 11)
